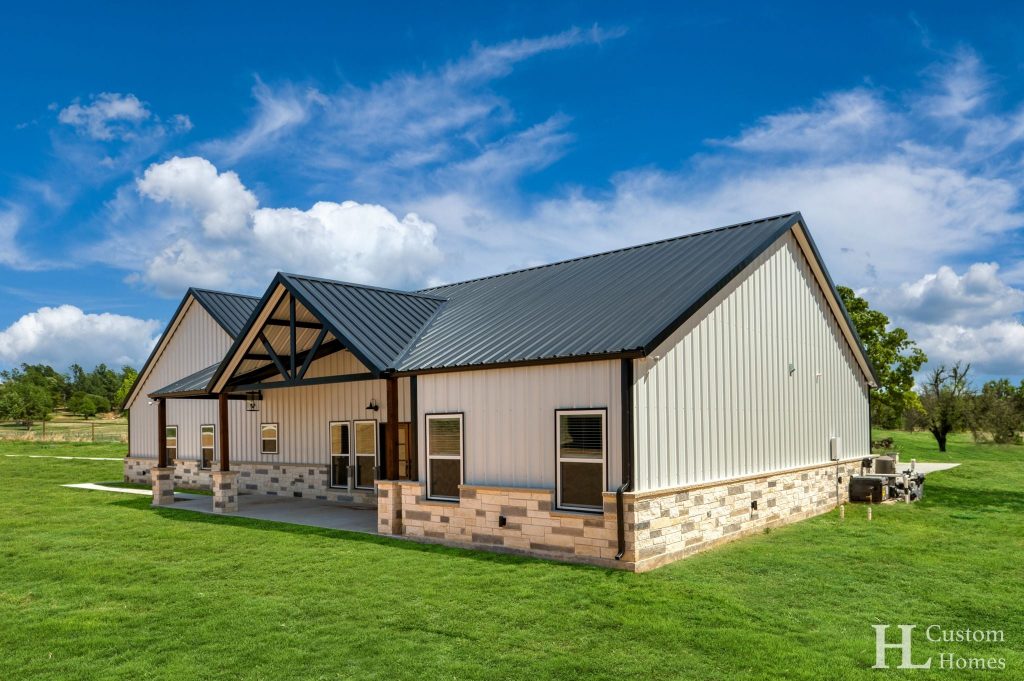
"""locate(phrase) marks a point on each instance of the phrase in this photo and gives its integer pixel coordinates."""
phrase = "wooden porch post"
(391, 431)
(161, 426)
(223, 427)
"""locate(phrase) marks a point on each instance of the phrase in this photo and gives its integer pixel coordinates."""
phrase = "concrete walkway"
(926, 468)
(311, 512)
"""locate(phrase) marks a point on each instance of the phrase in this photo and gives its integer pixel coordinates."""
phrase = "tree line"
(945, 401)
(33, 392)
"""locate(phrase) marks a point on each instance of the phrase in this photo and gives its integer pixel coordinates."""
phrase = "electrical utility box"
(835, 448)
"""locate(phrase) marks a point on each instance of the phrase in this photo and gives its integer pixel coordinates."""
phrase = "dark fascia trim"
(321, 380)
(156, 348)
(235, 346)
(835, 293)
(192, 395)
(345, 340)
(794, 218)
(541, 361)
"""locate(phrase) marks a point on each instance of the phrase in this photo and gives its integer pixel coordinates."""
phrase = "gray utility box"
(869, 488)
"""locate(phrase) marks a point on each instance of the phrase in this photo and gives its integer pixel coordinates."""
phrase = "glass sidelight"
(341, 453)
(365, 453)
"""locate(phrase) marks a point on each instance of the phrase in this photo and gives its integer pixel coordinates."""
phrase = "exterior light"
(373, 406)
(252, 400)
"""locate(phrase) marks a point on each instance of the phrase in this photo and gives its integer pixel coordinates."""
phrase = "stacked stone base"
(660, 526)
(292, 480)
(530, 526)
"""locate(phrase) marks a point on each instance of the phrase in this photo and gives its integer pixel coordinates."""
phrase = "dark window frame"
(169, 447)
(356, 455)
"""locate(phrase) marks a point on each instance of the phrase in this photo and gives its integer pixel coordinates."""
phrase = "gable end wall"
(717, 400)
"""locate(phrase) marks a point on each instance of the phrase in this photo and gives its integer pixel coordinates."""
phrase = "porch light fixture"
(373, 406)
(252, 400)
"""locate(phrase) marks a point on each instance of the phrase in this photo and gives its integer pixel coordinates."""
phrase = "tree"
(83, 404)
(128, 376)
(946, 398)
(997, 412)
(24, 401)
(895, 356)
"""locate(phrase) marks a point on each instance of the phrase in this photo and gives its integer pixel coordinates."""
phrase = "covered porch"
(314, 361)
(309, 512)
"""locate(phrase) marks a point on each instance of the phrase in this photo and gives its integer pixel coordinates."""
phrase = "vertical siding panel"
(720, 401)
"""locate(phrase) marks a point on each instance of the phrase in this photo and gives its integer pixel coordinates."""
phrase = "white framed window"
(581, 449)
(171, 437)
(207, 439)
(341, 452)
(268, 438)
(365, 449)
(445, 449)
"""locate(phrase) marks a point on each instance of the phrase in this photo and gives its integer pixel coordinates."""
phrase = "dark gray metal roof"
(194, 385)
(619, 302)
(375, 324)
(230, 310)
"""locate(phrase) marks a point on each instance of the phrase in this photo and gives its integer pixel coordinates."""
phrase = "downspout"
(626, 405)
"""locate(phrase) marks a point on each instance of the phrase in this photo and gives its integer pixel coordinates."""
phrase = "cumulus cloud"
(62, 335)
(223, 203)
(979, 295)
(214, 233)
(993, 349)
(106, 116)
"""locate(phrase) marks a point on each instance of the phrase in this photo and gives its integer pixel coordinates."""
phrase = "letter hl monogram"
(881, 646)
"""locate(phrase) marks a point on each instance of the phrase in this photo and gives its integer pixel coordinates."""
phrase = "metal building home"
(626, 409)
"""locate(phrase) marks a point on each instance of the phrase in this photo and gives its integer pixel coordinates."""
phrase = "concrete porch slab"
(310, 512)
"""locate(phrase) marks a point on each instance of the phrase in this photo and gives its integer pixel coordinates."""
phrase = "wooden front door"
(404, 453)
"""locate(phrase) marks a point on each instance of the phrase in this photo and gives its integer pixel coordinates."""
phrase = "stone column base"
(389, 507)
(225, 491)
(163, 485)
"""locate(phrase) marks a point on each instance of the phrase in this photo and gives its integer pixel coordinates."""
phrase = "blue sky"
(149, 149)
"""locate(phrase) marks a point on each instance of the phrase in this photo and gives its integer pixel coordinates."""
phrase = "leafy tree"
(128, 376)
(946, 398)
(87, 405)
(23, 401)
(997, 412)
(895, 356)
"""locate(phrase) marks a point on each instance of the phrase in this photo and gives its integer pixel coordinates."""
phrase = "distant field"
(68, 428)
(98, 585)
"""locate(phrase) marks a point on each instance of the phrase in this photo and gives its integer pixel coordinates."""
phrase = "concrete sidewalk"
(310, 512)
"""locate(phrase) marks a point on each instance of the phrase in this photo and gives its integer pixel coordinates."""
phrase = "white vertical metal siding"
(717, 399)
(197, 342)
(509, 419)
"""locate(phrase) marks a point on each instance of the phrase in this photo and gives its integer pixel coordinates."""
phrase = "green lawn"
(98, 585)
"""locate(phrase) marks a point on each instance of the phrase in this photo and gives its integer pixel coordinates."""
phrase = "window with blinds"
(340, 453)
(581, 456)
(268, 438)
(444, 456)
(171, 433)
(365, 453)
(206, 446)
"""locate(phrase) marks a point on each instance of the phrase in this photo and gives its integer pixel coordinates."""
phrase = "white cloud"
(214, 234)
(993, 349)
(62, 335)
(107, 116)
(976, 297)
(839, 122)
(408, 125)
(193, 183)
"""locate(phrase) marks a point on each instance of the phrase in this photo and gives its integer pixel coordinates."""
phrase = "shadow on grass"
(496, 555)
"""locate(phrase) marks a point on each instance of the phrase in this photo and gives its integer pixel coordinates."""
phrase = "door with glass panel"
(341, 453)
(364, 457)
(404, 452)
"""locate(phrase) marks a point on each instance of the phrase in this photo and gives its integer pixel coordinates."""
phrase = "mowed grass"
(97, 585)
